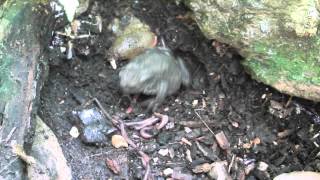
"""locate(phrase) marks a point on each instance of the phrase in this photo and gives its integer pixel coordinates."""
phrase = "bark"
(24, 28)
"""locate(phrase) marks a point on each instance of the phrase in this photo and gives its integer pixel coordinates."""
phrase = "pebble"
(262, 166)
(193, 134)
(195, 103)
(168, 171)
(187, 130)
(189, 158)
(74, 132)
(155, 160)
(163, 152)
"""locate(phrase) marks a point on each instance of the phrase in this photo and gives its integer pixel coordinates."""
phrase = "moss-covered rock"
(24, 28)
(48, 155)
(279, 39)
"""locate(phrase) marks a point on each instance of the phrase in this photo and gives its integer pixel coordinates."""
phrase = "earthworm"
(164, 119)
(144, 133)
(144, 157)
(142, 124)
(146, 124)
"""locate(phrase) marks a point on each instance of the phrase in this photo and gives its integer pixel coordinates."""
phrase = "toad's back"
(152, 72)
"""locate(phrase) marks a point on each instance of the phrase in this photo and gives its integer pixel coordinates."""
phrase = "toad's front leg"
(161, 95)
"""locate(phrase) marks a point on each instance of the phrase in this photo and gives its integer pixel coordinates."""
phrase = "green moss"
(12, 15)
(285, 62)
(279, 40)
(7, 85)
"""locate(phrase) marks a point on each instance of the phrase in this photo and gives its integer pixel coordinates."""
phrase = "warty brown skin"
(154, 72)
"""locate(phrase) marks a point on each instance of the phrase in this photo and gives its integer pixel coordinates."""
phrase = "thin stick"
(231, 163)
(102, 109)
(203, 121)
(163, 43)
(10, 134)
(9, 164)
(288, 102)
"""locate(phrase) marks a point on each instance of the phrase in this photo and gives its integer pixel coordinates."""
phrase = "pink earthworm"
(141, 124)
(164, 119)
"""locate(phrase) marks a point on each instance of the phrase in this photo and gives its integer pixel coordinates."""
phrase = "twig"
(102, 108)
(10, 134)
(203, 121)
(73, 36)
(288, 102)
(9, 164)
(193, 124)
(231, 163)
(205, 153)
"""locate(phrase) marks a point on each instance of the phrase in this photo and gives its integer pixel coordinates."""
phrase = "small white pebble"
(235, 124)
(262, 166)
(74, 132)
(189, 158)
(171, 153)
(102, 75)
(167, 172)
(166, 109)
(298, 110)
(316, 135)
(63, 49)
(187, 130)
(155, 160)
(170, 125)
(221, 96)
(195, 103)
(275, 143)
(163, 152)
(263, 96)
(135, 136)
(204, 103)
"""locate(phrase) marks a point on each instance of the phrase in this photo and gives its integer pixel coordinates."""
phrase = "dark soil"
(229, 101)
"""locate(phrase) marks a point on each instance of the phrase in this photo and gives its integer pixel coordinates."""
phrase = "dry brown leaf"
(256, 141)
(202, 168)
(118, 141)
(219, 171)
(186, 141)
(247, 145)
(113, 165)
(222, 140)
